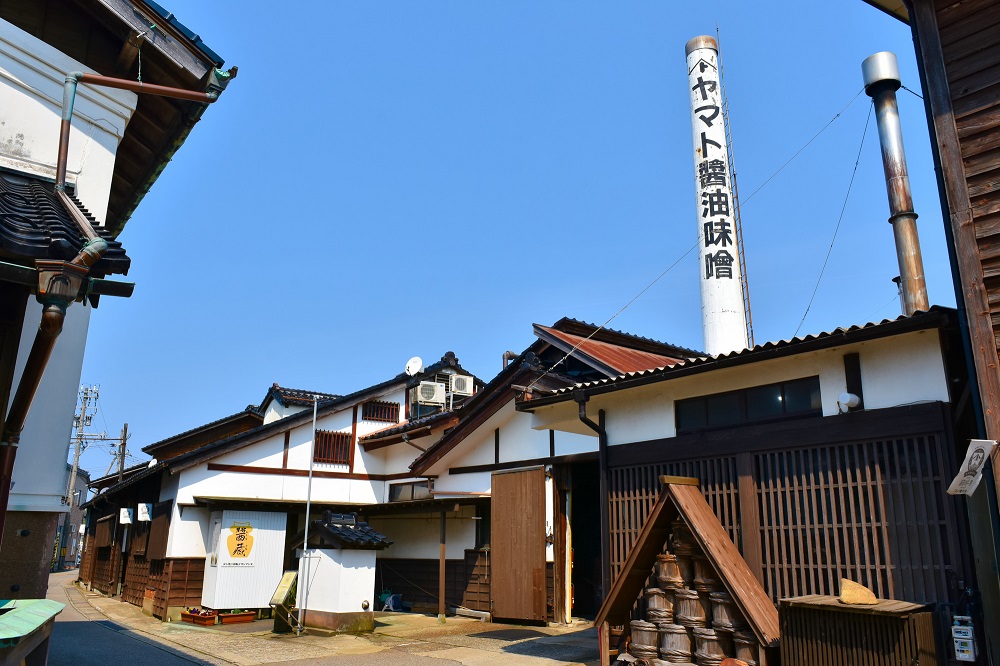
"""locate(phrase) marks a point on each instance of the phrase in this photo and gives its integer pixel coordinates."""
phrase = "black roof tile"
(35, 225)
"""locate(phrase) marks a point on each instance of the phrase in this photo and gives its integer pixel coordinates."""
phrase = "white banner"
(125, 516)
(144, 513)
(971, 471)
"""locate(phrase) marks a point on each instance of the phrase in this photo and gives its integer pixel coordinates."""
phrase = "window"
(760, 404)
(376, 410)
(404, 492)
(333, 447)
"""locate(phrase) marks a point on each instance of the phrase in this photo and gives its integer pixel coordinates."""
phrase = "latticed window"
(333, 447)
(377, 410)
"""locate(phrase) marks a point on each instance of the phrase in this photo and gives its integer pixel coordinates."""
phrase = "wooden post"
(441, 571)
(604, 643)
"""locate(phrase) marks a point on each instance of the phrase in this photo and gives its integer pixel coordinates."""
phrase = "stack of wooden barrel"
(690, 618)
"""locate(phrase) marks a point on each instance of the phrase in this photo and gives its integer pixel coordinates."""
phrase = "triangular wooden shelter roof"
(681, 497)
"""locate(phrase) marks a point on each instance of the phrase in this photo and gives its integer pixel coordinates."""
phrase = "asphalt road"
(84, 637)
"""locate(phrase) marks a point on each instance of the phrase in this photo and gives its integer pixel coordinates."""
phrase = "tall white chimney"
(722, 309)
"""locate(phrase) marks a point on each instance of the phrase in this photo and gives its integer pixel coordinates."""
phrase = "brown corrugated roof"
(622, 359)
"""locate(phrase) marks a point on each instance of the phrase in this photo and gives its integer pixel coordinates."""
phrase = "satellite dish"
(414, 365)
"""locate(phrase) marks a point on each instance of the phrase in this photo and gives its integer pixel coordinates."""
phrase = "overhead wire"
(806, 145)
(669, 268)
(840, 219)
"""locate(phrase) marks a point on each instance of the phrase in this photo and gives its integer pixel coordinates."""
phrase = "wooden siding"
(518, 545)
(467, 581)
(176, 582)
(333, 447)
(873, 511)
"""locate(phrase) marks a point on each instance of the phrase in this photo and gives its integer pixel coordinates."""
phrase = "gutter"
(59, 282)
(600, 428)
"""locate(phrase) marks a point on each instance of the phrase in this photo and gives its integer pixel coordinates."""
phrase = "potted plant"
(199, 616)
(238, 616)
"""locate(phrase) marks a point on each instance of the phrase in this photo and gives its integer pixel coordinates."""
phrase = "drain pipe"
(881, 76)
(59, 282)
(600, 428)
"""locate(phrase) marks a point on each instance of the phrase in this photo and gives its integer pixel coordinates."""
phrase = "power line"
(789, 161)
(839, 220)
(621, 310)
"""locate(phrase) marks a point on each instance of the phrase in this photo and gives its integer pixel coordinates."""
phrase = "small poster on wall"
(144, 513)
(125, 516)
(239, 544)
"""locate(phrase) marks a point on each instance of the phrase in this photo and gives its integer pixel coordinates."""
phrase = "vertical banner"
(722, 309)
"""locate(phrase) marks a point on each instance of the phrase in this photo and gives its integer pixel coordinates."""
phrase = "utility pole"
(121, 453)
(80, 421)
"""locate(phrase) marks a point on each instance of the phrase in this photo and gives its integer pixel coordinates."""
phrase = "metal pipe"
(881, 77)
(305, 540)
(441, 571)
(73, 79)
(509, 356)
(602, 464)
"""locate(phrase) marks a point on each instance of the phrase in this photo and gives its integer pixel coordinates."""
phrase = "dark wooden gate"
(806, 512)
(518, 545)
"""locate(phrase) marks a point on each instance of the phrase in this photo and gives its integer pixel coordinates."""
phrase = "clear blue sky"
(390, 179)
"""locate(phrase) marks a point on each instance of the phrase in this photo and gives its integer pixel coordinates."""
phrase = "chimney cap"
(702, 42)
(880, 68)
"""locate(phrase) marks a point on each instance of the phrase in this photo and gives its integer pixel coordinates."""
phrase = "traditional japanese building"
(73, 169)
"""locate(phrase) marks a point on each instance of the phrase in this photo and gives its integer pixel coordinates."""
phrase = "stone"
(854, 593)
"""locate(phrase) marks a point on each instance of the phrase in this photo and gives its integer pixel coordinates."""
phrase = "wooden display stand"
(681, 500)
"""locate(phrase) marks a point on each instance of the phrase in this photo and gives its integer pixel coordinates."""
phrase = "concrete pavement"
(101, 631)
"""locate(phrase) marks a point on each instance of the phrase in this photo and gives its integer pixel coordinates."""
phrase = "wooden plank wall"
(875, 512)
(970, 42)
(466, 581)
(176, 582)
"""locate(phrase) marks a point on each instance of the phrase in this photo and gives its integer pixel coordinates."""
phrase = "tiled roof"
(407, 426)
(295, 397)
(935, 316)
(346, 532)
(35, 225)
(619, 358)
(205, 453)
(614, 336)
(249, 415)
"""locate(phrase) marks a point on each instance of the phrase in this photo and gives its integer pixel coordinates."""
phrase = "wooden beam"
(128, 55)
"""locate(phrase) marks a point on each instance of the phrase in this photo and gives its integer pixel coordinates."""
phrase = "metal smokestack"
(881, 75)
(723, 311)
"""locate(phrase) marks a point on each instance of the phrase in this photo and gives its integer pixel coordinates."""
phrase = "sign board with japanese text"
(144, 513)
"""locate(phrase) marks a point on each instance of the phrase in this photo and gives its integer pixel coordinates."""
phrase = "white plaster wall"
(31, 89)
(265, 453)
(188, 535)
(477, 482)
(275, 411)
(903, 372)
(418, 537)
(336, 581)
(900, 370)
(45, 439)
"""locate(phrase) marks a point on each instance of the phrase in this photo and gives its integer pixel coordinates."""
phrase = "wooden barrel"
(681, 540)
(645, 639)
(708, 649)
(705, 578)
(675, 642)
(688, 609)
(725, 615)
(685, 565)
(746, 646)
(659, 604)
(667, 571)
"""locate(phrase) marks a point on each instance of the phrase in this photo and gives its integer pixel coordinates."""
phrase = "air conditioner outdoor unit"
(430, 393)
(462, 385)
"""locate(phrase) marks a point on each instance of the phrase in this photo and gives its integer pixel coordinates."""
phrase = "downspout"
(581, 399)
(59, 282)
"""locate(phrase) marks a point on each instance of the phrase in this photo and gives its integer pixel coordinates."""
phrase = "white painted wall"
(39, 484)
(31, 83)
(275, 410)
(898, 370)
(336, 581)
(236, 583)
(31, 89)
(418, 537)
